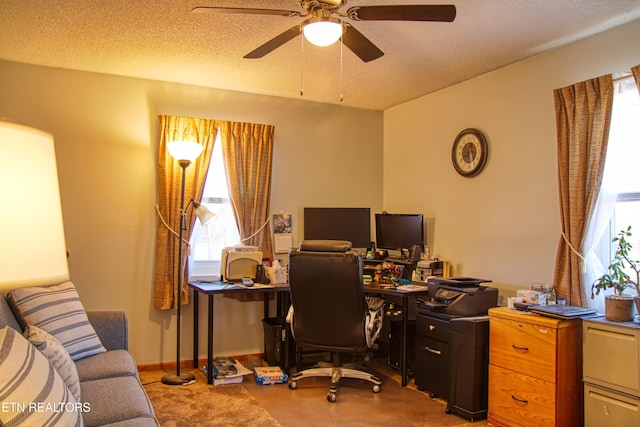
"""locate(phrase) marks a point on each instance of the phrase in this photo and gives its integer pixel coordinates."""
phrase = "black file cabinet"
(431, 364)
(451, 361)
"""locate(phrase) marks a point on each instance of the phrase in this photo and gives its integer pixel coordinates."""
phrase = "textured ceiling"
(164, 40)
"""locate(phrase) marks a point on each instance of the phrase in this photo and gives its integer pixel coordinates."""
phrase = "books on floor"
(270, 375)
(227, 370)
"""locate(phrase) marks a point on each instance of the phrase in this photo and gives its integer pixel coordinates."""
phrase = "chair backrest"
(327, 293)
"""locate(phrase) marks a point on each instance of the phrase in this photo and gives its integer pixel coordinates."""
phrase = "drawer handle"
(520, 348)
(431, 350)
(519, 400)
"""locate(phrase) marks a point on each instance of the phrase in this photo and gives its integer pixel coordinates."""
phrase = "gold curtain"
(247, 150)
(174, 128)
(636, 75)
(583, 116)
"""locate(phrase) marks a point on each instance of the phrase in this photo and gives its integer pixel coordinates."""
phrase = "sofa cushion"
(58, 357)
(113, 400)
(31, 391)
(7, 318)
(57, 309)
(113, 363)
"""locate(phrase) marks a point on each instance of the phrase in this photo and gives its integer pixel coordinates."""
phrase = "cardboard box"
(532, 297)
(270, 375)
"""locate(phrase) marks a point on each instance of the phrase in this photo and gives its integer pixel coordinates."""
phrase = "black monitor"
(352, 224)
(399, 231)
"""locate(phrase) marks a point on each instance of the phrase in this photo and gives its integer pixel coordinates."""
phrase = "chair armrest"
(112, 328)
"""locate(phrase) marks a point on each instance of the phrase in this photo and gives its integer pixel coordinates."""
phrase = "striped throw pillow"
(57, 309)
(31, 391)
(57, 356)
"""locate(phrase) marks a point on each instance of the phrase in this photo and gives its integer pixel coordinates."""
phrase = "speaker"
(415, 253)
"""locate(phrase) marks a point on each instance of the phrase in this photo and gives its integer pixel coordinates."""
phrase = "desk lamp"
(184, 152)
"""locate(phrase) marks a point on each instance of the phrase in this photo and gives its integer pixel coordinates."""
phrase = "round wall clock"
(469, 153)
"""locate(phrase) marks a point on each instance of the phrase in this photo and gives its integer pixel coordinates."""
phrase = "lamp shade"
(204, 215)
(184, 150)
(33, 249)
(322, 32)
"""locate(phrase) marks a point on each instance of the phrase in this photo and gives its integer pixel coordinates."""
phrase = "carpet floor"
(251, 405)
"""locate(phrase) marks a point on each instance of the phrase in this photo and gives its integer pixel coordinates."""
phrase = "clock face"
(469, 152)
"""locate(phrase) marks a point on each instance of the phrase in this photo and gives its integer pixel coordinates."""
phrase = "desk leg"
(210, 341)
(195, 329)
(403, 342)
(265, 298)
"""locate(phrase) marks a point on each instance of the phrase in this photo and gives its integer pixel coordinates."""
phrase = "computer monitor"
(352, 224)
(399, 231)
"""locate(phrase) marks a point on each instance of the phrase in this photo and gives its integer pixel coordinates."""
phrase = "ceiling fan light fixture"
(323, 32)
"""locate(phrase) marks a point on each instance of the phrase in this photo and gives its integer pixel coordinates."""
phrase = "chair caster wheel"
(331, 397)
(293, 385)
(448, 411)
(433, 395)
(376, 388)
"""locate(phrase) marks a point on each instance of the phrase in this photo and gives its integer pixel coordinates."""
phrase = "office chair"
(329, 310)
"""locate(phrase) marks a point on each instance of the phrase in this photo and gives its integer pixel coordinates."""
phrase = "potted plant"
(619, 307)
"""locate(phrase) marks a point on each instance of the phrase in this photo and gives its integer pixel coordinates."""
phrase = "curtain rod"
(628, 76)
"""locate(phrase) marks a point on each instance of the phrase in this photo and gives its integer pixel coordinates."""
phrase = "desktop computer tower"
(395, 343)
(390, 341)
(280, 347)
(469, 361)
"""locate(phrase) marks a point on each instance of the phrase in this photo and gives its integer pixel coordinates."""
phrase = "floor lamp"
(184, 152)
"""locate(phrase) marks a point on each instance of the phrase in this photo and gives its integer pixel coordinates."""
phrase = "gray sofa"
(109, 381)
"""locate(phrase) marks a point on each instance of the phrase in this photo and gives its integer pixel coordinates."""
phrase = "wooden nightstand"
(535, 370)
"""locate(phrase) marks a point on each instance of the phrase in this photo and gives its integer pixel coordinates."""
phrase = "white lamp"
(204, 215)
(184, 150)
(322, 31)
(33, 250)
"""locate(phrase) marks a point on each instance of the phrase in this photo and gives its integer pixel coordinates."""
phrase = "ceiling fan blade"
(274, 43)
(416, 12)
(276, 12)
(360, 45)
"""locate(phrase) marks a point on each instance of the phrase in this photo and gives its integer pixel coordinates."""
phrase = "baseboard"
(188, 364)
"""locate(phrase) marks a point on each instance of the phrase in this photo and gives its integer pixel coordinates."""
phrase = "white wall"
(504, 224)
(106, 133)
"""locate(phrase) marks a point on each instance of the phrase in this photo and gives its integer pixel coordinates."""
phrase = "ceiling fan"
(324, 17)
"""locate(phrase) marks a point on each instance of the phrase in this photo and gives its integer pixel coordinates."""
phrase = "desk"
(213, 288)
(383, 290)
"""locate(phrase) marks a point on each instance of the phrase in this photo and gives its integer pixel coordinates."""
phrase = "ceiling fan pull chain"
(301, 65)
(341, 45)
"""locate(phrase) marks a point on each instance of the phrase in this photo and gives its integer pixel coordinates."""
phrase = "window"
(621, 180)
(207, 241)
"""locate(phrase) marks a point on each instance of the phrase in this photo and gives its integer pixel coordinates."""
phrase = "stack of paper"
(227, 371)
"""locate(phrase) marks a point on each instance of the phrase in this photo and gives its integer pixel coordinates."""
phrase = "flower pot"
(618, 308)
(636, 301)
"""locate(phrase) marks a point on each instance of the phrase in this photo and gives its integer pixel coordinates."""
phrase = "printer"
(459, 296)
(237, 262)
